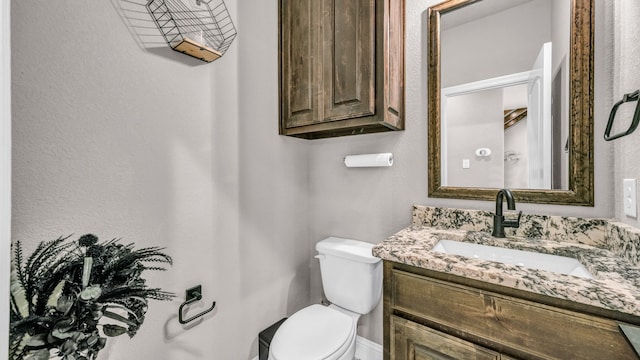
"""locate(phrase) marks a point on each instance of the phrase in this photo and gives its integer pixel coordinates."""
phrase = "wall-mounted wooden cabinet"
(341, 67)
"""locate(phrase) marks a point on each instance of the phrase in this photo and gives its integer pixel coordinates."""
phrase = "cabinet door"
(341, 67)
(506, 357)
(301, 57)
(349, 58)
(393, 45)
(411, 341)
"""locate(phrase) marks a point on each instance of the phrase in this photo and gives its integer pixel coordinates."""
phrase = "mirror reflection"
(505, 94)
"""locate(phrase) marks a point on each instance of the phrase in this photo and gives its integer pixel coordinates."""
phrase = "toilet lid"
(313, 333)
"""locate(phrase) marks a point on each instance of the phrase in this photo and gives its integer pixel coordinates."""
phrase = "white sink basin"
(528, 259)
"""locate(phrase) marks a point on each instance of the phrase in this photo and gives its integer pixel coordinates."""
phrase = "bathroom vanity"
(442, 305)
(429, 315)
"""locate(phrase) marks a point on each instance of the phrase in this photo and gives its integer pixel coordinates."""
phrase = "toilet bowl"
(316, 332)
(352, 282)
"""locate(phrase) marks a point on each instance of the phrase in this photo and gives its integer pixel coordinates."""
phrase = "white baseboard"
(365, 350)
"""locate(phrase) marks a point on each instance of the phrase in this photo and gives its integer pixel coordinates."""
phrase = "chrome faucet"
(499, 223)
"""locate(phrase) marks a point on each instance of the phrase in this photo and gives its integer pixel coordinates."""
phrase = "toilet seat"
(314, 333)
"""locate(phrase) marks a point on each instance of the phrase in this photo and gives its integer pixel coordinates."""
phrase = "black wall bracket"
(192, 295)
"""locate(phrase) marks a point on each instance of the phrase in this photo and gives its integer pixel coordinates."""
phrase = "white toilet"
(352, 282)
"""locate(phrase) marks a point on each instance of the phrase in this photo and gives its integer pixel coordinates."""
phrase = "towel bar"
(634, 96)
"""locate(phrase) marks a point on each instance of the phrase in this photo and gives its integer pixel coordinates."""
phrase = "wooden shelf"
(197, 50)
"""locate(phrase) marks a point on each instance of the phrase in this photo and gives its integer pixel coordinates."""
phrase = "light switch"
(465, 164)
(630, 198)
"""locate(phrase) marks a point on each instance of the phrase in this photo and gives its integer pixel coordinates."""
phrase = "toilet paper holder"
(192, 295)
(369, 160)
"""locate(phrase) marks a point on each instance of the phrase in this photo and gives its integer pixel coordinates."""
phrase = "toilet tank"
(351, 275)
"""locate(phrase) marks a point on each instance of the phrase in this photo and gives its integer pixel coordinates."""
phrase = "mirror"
(511, 100)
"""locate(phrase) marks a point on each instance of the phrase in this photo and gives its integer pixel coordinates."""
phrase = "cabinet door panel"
(394, 62)
(412, 341)
(349, 54)
(301, 66)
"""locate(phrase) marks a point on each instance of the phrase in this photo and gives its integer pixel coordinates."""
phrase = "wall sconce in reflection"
(483, 152)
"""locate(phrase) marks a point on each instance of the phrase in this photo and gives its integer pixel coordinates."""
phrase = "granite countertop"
(614, 286)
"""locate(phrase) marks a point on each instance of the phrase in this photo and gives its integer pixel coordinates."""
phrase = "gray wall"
(479, 50)
(516, 172)
(625, 50)
(115, 137)
(474, 121)
(5, 166)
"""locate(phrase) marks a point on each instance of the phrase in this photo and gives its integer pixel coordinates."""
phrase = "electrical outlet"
(465, 164)
(630, 197)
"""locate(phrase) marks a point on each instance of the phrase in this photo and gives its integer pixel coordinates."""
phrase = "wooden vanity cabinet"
(341, 67)
(428, 315)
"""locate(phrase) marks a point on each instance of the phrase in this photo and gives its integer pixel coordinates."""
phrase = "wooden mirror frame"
(581, 188)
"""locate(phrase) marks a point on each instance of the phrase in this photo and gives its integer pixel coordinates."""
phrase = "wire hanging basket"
(199, 28)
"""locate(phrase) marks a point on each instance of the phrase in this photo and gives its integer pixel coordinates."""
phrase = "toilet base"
(264, 339)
